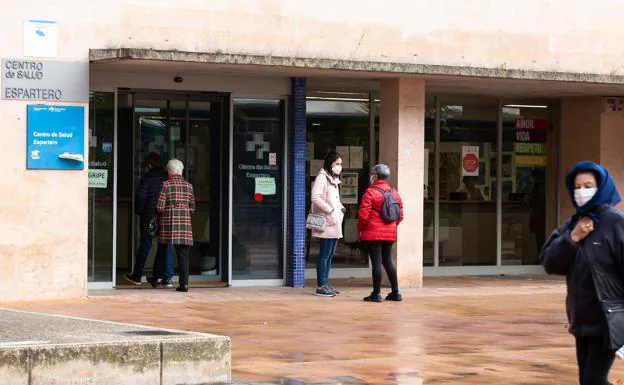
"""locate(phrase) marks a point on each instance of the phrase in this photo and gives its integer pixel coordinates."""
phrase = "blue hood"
(606, 194)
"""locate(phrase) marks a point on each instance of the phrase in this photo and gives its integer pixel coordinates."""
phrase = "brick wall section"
(297, 185)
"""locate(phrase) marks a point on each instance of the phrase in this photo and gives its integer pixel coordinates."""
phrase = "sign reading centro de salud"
(45, 80)
(55, 137)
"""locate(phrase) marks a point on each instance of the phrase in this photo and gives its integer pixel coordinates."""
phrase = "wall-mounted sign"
(531, 161)
(98, 178)
(259, 145)
(531, 130)
(40, 38)
(530, 148)
(45, 80)
(55, 137)
(470, 161)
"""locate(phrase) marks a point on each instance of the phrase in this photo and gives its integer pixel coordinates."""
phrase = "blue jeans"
(145, 246)
(323, 262)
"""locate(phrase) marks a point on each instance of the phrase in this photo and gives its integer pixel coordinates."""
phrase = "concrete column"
(589, 133)
(401, 146)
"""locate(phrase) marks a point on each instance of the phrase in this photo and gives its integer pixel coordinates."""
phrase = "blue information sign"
(55, 138)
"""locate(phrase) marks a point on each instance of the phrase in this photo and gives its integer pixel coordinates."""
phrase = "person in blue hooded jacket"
(593, 236)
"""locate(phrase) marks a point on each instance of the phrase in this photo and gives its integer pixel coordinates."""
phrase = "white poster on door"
(349, 188)
(344, 153)
(98, 178)
(356, 157)
(470, 161)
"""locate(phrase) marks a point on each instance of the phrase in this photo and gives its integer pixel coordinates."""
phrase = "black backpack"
(390, 209)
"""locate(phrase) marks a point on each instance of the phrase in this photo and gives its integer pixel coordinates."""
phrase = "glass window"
(468, 134)
(258, 189)
(525, 136)
(429, 183)
(340, 122)
(101, 162)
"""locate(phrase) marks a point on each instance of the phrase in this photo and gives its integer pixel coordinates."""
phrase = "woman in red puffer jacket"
(378, 235)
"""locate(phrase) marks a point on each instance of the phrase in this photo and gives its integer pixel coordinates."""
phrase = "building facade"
(479, 108)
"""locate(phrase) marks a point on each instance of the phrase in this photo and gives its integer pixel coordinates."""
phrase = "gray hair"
(175, 167)
(381, 170)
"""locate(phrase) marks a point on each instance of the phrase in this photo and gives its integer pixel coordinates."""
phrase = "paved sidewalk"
(471, 330)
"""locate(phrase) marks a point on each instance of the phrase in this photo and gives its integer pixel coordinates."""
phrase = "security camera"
(178, 79)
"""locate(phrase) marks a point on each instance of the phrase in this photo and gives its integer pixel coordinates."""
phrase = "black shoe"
(153, 281)
(373, 298)
(183, 289)
(334, 290)
(394, 297)
(166, 283)
(132, 279)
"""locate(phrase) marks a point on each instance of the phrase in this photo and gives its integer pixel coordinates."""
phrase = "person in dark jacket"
(592, 237)
(146, 198)
(378, 235)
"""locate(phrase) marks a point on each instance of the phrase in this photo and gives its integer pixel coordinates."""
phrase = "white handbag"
(315, 222)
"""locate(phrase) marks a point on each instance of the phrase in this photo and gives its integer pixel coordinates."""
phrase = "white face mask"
(337, 169)
(584, 195)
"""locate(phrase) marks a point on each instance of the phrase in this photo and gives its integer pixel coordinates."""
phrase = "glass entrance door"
(101, 188)
(190, 128)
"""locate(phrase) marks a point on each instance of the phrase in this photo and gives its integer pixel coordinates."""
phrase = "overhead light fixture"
(525, 106)
(316, 124)
(335, 99)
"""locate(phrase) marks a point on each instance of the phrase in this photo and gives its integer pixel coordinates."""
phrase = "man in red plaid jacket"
(175, 204)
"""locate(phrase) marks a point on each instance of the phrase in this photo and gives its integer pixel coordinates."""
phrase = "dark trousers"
(183, 252)
(380, 253)
(594, 360)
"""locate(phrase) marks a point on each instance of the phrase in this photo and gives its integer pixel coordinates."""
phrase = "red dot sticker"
(471, 163)
(258, 197)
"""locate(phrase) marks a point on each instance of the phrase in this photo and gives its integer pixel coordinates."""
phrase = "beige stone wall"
(589, 133)
(611, 149)
(43, 221)
(579, 137)
(532, 34)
